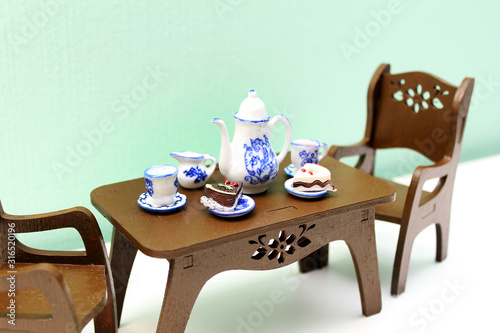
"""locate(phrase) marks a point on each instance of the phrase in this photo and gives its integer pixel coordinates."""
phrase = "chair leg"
(442, 236)
(316, 260)
(105, 321)
(402, 260)
(122, 258)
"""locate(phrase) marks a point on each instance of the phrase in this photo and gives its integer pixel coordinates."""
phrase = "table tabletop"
(192, 227)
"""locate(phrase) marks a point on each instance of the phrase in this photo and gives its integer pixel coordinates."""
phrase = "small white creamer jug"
(193, 171)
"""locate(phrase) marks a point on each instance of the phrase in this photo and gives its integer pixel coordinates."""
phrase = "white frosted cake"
(312, 177)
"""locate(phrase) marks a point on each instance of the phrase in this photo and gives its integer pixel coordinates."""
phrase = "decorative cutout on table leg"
(279, 247)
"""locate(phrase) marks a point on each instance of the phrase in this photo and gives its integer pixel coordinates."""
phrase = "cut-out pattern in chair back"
(414, 110)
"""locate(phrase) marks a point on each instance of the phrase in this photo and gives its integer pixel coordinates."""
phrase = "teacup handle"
(288, 138)
(211, 167)
(322, 153)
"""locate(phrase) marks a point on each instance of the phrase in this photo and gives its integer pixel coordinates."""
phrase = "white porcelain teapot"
(249, 157)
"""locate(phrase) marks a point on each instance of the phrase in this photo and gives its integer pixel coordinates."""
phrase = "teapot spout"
(225, 149)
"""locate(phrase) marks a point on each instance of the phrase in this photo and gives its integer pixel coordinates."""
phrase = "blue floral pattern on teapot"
(260, 161)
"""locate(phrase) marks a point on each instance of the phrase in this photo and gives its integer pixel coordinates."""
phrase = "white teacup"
(161, 183)
(307, 151)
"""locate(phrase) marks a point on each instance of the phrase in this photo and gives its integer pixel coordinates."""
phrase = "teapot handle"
(288, 138)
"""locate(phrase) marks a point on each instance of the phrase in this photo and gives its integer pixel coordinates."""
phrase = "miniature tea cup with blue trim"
(307, 151)
(161, 184)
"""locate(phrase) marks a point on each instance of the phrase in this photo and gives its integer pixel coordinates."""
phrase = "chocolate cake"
(222, 196)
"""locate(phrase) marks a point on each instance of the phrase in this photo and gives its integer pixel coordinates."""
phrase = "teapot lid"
(252, 108)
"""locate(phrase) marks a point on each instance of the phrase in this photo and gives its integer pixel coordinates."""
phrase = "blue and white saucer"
(301, 194)
(244, 206)
(145, 202)
(290, 170)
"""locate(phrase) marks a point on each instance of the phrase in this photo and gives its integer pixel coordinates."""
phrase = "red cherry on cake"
(235, 184)
(303, 170)
(227, 182)
(310, 172)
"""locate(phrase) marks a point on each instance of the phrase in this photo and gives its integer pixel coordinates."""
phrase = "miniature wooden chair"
(54, 291)
(426, 114)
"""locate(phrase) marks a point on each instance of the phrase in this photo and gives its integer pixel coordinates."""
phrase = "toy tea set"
(248, 163)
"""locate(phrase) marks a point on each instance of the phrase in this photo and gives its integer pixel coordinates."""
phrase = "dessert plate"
(244, 206)
(145, 202)
(290, 170)
(307, 195)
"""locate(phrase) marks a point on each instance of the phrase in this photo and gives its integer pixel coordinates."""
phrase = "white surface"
(252, 108)
(457, 295)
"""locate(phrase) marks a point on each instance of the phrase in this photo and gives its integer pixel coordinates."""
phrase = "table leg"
(316, 260)
(359, 235)
(183, 286)
(122, 258)
(363, 250)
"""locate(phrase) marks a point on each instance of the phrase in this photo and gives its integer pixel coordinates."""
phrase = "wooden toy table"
(280, 230)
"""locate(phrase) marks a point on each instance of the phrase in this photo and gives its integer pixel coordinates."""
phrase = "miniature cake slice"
(312, 177)
(222, 196)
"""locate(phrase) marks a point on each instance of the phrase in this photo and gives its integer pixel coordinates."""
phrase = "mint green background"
(68, 70)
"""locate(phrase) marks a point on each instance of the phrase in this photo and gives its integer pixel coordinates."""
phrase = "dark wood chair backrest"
(416, 110)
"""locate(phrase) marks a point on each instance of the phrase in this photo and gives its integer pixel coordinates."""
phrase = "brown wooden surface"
(193, 227)
(86, 285)
(69, 287)
(393, 212)
(435, 132)
(200, 245)
(188, 274)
